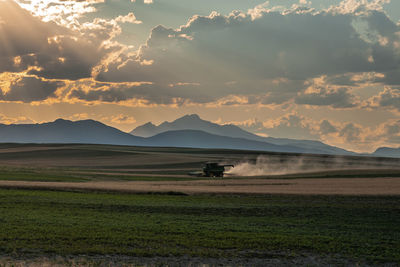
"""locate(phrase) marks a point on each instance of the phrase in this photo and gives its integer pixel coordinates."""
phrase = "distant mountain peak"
(191, 116)
(61, 120)
(187, 118)
(64, 121)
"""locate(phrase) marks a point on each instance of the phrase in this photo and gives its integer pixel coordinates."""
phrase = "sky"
(325, 70)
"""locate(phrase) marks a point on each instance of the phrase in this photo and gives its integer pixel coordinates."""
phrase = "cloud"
(53, 51)
(304, 2)
(60, 11)
(15, 120)
(122, 119)
(252, 125)
(388, 98)
(28, 89)
(353, 135)
(358, 7)
(388, 133)
(143, 93)
(350, 132)
(79, 116)
(291, 125)
(45, 48)
(144, 1)
(294, 46)
(359, 137)
(267, 56)
(391, 132)
(130, 18)
(326, 127)
(337, 98)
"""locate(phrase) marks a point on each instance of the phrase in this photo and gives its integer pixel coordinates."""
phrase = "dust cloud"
(267, 166)
(282, 165)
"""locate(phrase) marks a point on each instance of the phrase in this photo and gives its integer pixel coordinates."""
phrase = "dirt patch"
(326, 186)
(274, 259)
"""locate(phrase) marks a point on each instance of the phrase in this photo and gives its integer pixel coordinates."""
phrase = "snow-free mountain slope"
(387, 152)
(94, 132)
(64, 131)
(194, 122)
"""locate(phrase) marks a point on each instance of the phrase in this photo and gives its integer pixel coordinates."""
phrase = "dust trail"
(281, 165)
(268, 166)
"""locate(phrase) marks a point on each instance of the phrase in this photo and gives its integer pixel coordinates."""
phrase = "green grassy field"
(34, 222)
(38, 174)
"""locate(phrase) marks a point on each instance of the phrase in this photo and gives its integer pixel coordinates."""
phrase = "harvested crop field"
(147, 161)
(141, 169)
(325, 186)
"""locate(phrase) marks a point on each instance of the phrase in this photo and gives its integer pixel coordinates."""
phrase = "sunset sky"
(325, 70)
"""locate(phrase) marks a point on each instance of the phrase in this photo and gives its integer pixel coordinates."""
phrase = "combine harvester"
(212, 169)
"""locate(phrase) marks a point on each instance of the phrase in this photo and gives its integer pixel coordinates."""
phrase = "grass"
(78, 175)
(35, 222)
(37, 174)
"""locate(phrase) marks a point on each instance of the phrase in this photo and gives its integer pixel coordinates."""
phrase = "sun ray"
(65, 13)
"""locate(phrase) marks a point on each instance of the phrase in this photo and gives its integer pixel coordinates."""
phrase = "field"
(108, 205)
(74, 163)
(274, 227)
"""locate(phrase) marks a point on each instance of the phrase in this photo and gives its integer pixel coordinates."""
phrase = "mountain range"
(187, 131)
(387, 152)
(94, 132)
(64, 131)
(194, 122)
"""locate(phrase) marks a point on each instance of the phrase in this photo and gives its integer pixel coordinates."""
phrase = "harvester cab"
(214, 169)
